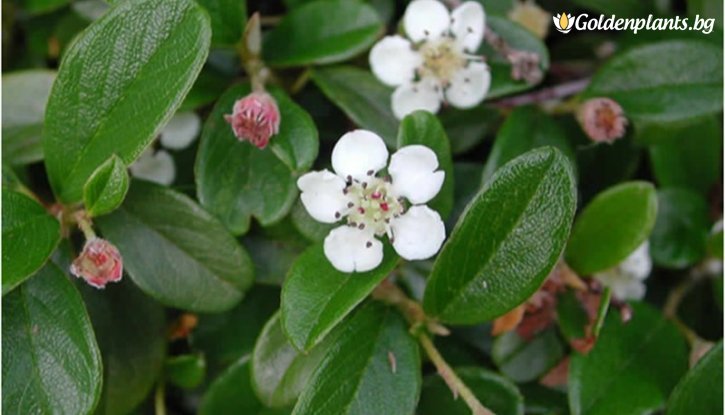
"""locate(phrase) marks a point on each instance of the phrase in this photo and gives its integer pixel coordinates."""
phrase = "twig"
(159, 402)
(547, 94)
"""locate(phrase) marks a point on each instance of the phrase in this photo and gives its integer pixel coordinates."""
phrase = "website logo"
(563, 22)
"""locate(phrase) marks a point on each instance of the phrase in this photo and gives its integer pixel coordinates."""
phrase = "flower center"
(372, 205)
(441, 59)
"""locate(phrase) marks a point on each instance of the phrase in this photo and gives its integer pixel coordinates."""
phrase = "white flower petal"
(394, 61)
(417, 96)
(469, 86)
(322, 195)
(418, 233)
(181, 130)
(426, 19)
(638, 264)
(469, 25)
(357, 153)
(624, 287)
(350, 249)
(155, 167)
(412, 169)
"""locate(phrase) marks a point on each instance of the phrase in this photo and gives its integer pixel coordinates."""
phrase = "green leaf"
(506, 242)
(43, 6)
(231, 393)
(664, 81)
(632, 368)
(525, 361)
(628, 8)
(678, 160)
(700, 391)
(714, 243)
(228, 19)
(525, 129)
(309, 228)
(571, 316)
(29, 236)
(467, 128)
(51, 363)
(131, 333)
(316, 296)
(226, 337)
(321, 32)
(176, 252)
(297, 142)
(361, 97)
(422, 127)
(679, 237)
(596, 243)
(465, 188)
(132, 76)
(25, 94)
(373, 368)
(279, 371)
(494, 391)
(518, 38)
(185, 371)
(236, 180)
(106, 187)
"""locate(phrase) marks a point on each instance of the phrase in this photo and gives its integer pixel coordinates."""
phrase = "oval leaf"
(523, 360)
(323, 31)
(228, 19)
(665, 81)
(51, 363)
(132, 69)
(372, 367)
(632, 368)
(596, 245)
(279, 371)
(361, 97)
(506, 242)
(700, 391)
(231, 393)
(176, 252)
(106, 187)
(316, 296)
(422, 127)
(186, 371)
(29, 236)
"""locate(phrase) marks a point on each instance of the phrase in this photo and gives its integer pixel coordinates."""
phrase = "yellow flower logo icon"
(563, 22)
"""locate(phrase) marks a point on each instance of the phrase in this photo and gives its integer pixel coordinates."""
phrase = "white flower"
(375, 206)
(626, 280)
(435, 64)
(158, 166)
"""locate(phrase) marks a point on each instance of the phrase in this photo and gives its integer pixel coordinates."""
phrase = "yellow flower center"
(441, 59)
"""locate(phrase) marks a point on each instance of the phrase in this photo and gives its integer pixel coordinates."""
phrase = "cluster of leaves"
(225, 314)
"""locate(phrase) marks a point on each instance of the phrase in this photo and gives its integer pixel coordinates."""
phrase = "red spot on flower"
(99, 263)
(255, 118)
(384, 207)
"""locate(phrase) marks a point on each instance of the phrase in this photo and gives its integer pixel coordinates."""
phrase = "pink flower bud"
(255, 118)
(99, 263)
(602, 119)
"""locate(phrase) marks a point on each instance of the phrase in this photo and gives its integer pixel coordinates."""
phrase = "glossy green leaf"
(322, 31)
(526, 128)
(106, 187)
(423, 128)
(226, 337)
(571, 316)
(700, 391)
(465, 189)
(372, 367)
(279, 371)
(524, 360)
(132, 76)
(43, 6)
(632, 368)
(231, 393)
(595, 244)
(494, 391)
(297, 142)
(518, 38)
(664, 81)
(310, 228)
(29, 236)
(467, 128)
(176, 252)
(506, 242)
(236, 180)
(228, 19)
(362, 97)
(51, 363)
(131, 332)
(679, 238)
(25, 94)
(185, 371)
(316, 296)
(689, 156)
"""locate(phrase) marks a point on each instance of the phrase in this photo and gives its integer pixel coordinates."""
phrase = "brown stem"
(547, 94)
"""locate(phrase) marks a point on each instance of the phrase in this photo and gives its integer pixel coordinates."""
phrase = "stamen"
(368, 244)
(337, 215)
(370, 172)
(350, 204)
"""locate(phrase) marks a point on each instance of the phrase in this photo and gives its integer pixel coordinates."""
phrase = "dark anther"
(365, 185)
(350, 204)
(361, 226)
(370, 172)
(337, 215)
(368, 244)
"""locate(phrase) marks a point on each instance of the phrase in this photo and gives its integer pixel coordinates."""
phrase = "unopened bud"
(529, 15)
(255, 118)
(99, 263)
(525, 66)
(602, 119)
